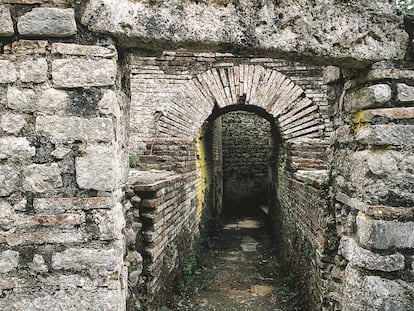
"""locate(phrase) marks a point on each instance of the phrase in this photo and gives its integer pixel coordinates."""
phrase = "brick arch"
(297, 116)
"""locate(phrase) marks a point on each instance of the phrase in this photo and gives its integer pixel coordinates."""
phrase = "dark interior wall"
(245, 160)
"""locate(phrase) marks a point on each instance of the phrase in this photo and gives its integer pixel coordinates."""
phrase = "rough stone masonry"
(85, 85)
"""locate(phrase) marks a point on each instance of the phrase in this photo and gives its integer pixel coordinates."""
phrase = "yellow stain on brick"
(202, 174)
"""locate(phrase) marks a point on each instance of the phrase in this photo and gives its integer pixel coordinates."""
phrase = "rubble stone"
(9, 180)
(47, 22)
(83, 72)
(40, 178)
(12, 123)
(16, 148)
(96, 169)
(6, 23)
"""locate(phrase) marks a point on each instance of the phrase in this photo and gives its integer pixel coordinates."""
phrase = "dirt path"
(239, 273)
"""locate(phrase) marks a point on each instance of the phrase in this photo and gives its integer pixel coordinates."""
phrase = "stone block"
(9, 180)
(79, 259)
(388, 114)
(80, 72)
(322, 29)
(7, 215)
(405, 93)
(109, 104)
(9, 260)
(390, 134)
(39, 264)
(33, 70)
(331, 74)
(96, 169)
(382, 234)
(84, 50)
(27, 47)
(68, 298)
(7, 72)
(383, 177)
(12, 123)
(368, 97)
(390, 73)
(366, 292)
(52, 101)
(109, 223)
(366, 259)
(21, 100)
(47, 22)
(16, 148)
(6, 23)
(69, 129)
(62, 205)
(54, 237)
(40, 178)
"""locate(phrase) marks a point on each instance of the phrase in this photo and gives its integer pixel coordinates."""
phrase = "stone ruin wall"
(246, 152)
(75, 102)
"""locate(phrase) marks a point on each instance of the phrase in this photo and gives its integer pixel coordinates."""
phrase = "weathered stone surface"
(84, 50)
(39, 264)
(79, 259)
(7, 72)
(16, 148)
(6, 23)
(21, 100)
(96, 169)
(392, 134)
(68, 298)
(375, 293)
(329, 29)
(109, 104)
(61, 205)
(58, 237)
(67, 129)
(383, 177)
(331, 74)
(52, 101)
(47, 22)
(7, 215)
(109, 222)
(373, 96)
(26, 47)
(405, 93)
(390, 73)
(366, 259)
(33, 70)
(381, 234)
(41, 178)
(12, 123)
(9, 260)
(390, 114)
(60, 152)
(83, 72)
(9, 180)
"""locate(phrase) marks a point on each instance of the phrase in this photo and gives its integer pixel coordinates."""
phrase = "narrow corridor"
(240, 272)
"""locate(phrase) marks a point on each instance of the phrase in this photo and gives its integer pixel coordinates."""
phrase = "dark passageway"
(240, 272)
(240, 269)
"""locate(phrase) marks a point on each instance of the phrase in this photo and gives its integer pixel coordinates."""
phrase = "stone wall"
(245, 160)
(373, 163)
(62, 131)
(69, 237)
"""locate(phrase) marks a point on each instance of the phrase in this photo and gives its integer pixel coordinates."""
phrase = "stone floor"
(240, 272)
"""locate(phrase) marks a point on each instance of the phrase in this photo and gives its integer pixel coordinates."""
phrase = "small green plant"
(173, 247)
(324, 184)
(321, 134)
(164, 308)
(135, 161)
